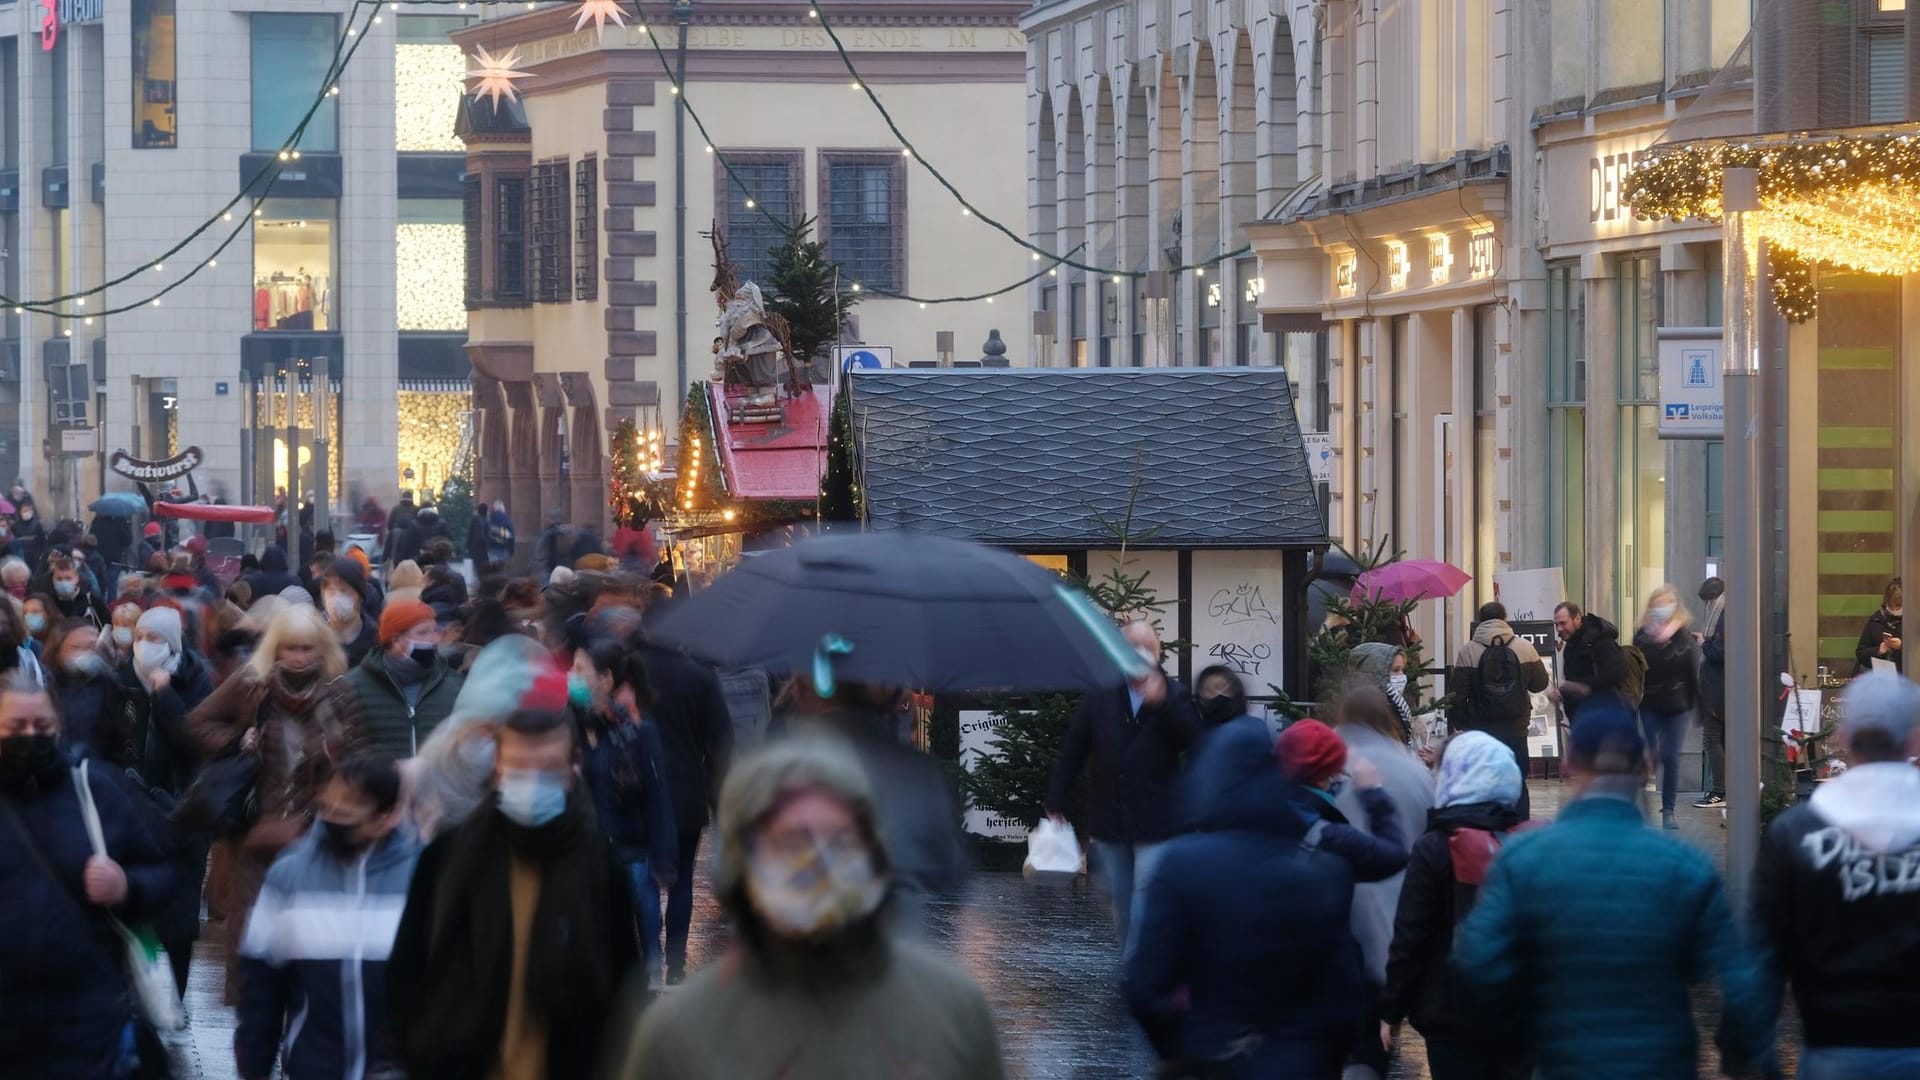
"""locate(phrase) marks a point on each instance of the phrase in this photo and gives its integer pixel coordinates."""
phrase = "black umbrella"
(904, 609)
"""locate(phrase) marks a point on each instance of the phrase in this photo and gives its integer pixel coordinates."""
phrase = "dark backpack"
(499, 537)
(1499, 690)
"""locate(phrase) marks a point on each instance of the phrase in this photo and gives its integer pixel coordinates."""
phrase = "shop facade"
(129, 127)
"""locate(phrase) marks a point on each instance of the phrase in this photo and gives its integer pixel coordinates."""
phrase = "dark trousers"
(1470, 1061)
(1713, 740)
(680, 902)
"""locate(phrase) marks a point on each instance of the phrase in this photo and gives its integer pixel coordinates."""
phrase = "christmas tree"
(457, 510)
(805, 288)
(627, 488)
(1356, 622)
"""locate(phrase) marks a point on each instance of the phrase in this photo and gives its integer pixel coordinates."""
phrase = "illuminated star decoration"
(600, 11)
(495, 74)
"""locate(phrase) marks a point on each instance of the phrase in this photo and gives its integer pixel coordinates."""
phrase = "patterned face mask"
(816, 888)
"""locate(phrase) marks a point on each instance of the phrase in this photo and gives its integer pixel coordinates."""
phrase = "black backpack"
(1499, 693)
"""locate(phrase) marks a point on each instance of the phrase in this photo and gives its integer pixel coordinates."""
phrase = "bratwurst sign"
(155, 472)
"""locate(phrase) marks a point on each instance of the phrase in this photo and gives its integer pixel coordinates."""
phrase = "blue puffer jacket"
(63, 990)
(1245, 959)
(1591, 932)
(313, 964)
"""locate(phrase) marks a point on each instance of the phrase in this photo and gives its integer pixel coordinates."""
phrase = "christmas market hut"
(749, 469)
(1200, 473)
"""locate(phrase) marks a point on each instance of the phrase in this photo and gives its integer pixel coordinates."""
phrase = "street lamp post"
(1749, 434)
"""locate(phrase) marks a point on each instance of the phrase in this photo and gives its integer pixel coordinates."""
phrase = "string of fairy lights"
(1849, 201)
(496, 76)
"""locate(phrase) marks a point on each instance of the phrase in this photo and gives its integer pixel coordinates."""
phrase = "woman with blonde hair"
(1672, 687)
(280, 707)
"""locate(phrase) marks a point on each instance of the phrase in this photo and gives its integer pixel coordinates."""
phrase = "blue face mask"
(531, 797)
(578, 692)
(36, 622)
(66, 589)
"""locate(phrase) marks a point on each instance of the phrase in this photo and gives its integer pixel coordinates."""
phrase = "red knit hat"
(1310, 752)
(400, 616)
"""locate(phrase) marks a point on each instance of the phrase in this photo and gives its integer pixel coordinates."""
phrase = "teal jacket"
(1592, 931)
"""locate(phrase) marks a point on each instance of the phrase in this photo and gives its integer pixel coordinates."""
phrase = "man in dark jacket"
(1595, 929)
(1836, 901)
(315, 1000)
(1589, 656)
(1135, 737)
(403, 689)
(555, 546)
(696, 733)
(518, 929)
(65, 1012)
(1713, 692)
(73, 596)
(1244, 963)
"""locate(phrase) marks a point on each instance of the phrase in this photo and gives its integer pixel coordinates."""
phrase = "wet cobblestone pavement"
(1043, 951)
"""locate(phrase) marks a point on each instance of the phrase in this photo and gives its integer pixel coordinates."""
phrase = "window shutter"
(1886, 78)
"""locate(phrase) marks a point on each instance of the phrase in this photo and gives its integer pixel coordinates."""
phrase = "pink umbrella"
(6, 507)
(1410, 579)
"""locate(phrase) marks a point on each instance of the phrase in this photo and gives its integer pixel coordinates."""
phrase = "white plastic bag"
(148, 969)
(1051, 848)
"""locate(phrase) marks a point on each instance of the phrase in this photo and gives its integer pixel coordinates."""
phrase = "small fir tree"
(457, 510)
(809, 291)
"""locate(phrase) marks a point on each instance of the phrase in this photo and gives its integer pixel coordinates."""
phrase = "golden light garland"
(1847, 200)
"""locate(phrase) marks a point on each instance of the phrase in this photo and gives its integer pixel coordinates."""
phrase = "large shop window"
(292, 55)
(764, 190)
(429, 76)
(430, 265)
(295, 255)
(1640, 458)
(155, 71)
(863, 216)
(1565, 477)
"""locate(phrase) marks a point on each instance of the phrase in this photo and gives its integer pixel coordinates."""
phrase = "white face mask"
(1660, 613)
(815, 892)
(152, 654)
(340, 606)
(1397, 683)
(122, 636)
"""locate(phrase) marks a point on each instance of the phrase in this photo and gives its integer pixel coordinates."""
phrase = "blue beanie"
(1606, 737)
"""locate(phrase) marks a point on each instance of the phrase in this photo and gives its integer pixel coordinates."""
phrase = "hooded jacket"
(1591, 657)
(316, 951)
(1836, 899)
(861, 1003)
(1244, 957)
(1466, 667)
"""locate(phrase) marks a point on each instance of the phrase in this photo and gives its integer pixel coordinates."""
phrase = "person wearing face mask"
(404, 689)
(73, 598)
(65, 1009)
(28, 530)
(88, 695)
(37, 616)
(813, 987)
(1672, 687)
(620, 760)
(1384, 667)
(318, 1003)
(518, 929)
(1492, 677)
(116, 643)
(1134, 737)
(1220, 696)
(343, 599)
(282, 707)
(16, 577)
(160, 683)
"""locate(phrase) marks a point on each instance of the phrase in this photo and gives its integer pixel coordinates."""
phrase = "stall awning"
(1059, 459)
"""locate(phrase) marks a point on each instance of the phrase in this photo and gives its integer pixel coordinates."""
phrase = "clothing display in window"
(298, 301)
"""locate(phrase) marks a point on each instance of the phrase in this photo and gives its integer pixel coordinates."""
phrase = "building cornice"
(558, 21)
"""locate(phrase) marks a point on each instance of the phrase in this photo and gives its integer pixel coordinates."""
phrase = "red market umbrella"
(244, 515)
(1410, 579)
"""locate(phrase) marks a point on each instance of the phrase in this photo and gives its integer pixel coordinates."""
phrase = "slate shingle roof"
(1037, 458)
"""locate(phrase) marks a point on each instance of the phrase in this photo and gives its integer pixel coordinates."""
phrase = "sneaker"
(1710, 802)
